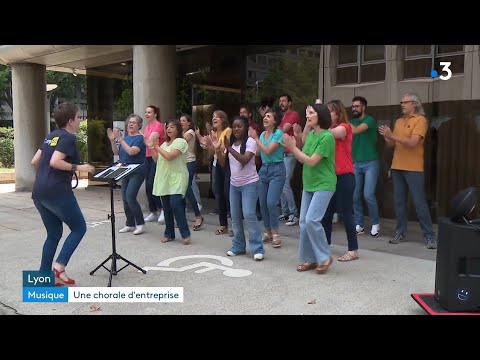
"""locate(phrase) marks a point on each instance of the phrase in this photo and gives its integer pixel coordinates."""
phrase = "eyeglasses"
(406, 102)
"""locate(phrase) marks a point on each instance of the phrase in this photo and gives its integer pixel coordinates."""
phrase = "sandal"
(267, 238)
(197, 227)
(322, 268)
(186, 241)
(306, 266)
(276, 242)
(349, 256)
(60, 281)
(221, 230)
(165, 240)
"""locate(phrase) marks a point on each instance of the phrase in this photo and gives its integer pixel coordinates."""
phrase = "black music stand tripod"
(114, 256)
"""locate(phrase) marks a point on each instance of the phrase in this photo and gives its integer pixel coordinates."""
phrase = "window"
(360, 63)
(421, 59)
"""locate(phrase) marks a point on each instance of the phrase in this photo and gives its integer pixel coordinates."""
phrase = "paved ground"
(380, 282)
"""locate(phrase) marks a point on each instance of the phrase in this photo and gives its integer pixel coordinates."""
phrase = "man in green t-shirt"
(365, 164)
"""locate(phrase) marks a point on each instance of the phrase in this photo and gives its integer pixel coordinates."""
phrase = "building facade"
(259, 73)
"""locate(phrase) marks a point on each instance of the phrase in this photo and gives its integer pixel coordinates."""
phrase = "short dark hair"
(177, 124)
(324, 117)
(64, 112)
(277, 116)
(361, 99)
(289, 98)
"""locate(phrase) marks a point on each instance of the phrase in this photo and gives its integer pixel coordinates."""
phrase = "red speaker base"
(428, 303)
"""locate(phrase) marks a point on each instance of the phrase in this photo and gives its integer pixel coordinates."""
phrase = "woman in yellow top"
(220, 175)
(171, 179)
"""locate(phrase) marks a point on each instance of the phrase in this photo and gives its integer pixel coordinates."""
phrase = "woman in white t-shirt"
(244, 180)
(188, 127)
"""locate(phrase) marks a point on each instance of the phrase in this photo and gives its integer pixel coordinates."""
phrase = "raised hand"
(226, 143)
(385, 131)
(297, 130)
(110, 134)
(117, 133)
(149, 142)
(252, 133)
(216, 144)
(289, 141)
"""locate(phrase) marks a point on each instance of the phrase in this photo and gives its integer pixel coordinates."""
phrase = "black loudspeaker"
(457, 277)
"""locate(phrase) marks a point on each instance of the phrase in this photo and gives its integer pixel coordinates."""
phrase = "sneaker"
(161, 218)
(139, 230)
(360, 230)
(292, 220)
(335, 218)
(258, 257)
(375, 231)
(398, 238)
(431, 243)
(126, 229)
(231, 253)
(283, 217)
(152, 217)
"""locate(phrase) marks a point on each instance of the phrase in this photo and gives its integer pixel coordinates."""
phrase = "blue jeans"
(366, 173)
(190, 196)
(342, 202)
(413, 181)
(272, 180)
(133, 211)
(154, 202)
(174, 206)
(244, 199)
(313, 245)
(287, 199)
(55, 212)
(196, 190)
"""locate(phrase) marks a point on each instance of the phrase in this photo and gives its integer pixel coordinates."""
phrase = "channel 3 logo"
(446, 68)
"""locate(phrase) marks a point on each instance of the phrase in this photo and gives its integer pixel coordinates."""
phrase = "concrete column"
(154, 79)
(29, 89)
(154, 83)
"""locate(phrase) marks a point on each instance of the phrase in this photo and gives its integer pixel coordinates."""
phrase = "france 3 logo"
(445, 68)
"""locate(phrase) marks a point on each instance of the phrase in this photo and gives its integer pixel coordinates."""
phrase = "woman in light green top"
(171, 180)
(319, 182)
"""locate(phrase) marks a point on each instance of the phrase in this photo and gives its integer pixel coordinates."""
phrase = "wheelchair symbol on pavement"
(204, 265)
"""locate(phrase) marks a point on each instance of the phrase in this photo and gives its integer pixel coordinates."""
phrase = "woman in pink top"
(154, 130)
(342, 199)
(238, 155)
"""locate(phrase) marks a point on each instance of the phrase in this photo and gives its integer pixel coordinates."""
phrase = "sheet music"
(116, 172)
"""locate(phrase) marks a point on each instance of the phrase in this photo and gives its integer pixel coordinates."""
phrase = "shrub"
(6, 147)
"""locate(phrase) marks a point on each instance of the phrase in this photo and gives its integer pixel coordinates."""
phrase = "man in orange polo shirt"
(407, 167)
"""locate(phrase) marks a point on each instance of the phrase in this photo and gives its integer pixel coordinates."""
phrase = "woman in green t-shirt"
(171, 180)
(319, 182)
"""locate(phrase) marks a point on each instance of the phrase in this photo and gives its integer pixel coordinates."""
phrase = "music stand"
(114, 173)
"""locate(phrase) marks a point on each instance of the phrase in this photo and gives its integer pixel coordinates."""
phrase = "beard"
(356, 114)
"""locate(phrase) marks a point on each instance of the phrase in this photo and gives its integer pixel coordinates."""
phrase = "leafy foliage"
(6, 147)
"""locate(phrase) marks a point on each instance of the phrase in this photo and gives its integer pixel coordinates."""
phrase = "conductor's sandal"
(62, 281)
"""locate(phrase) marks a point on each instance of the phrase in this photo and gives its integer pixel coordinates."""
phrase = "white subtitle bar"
(125, 294)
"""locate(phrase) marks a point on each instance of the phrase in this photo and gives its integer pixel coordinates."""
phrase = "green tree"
(297, 77)
(123, 105)
(68, 86)
(5, 88)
